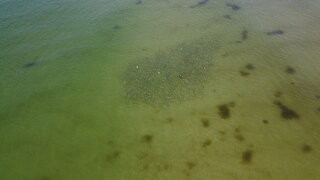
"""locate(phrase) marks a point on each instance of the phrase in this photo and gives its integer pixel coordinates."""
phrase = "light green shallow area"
(122, 90)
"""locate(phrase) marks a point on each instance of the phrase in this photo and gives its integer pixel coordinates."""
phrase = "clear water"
(159, 89)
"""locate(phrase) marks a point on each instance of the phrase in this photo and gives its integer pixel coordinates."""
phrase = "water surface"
(159, 89)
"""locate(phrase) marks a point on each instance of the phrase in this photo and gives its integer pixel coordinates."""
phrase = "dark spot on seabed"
(247, 156)
(206, 143)
(278, 94)
(306, 148)
(244, 73)
(250, 66)
(205, 122)
(190, 165)
(227, 16)
(116, 27)
(233, 6)
(139, 2)
(237, 135)
(275, 32)
(290, 70)
(224, 111)
(244, 34)
(166, 166)
(265, 121)
(147, 138)
(30, 64)
(146, 166)
(112, 156)
(287, 113)
(169, 120)
(200, 3)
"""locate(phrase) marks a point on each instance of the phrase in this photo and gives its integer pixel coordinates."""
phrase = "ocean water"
(159, 89)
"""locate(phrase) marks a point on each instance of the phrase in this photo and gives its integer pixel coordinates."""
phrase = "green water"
(159, 89)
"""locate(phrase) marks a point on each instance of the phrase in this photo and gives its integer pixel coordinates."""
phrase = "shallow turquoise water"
(159, 90)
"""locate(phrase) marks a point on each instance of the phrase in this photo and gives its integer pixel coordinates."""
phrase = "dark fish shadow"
(200, 3)
(29, 65)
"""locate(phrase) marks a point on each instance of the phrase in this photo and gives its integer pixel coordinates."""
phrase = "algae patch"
(177, 74)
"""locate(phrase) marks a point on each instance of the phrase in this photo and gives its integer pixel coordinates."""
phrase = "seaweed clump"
(287, 113)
